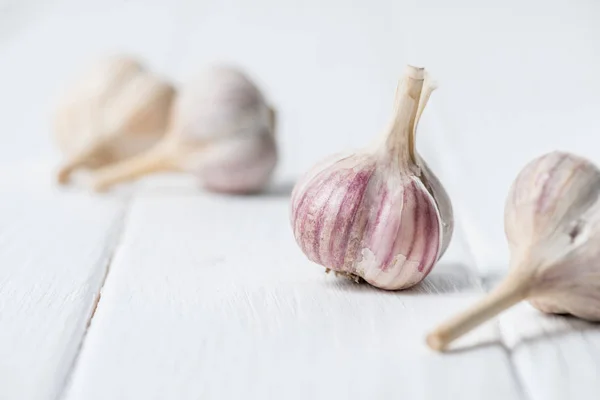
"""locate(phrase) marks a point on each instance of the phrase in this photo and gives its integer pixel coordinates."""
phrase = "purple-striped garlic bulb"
(222, 131)
(115, 110)
(379, 214)
(552, 223)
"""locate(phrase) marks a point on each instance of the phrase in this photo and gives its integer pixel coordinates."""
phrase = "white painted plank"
(54, 252)
(177, 319)
(208, 297)
(556, 357)
(55, 246)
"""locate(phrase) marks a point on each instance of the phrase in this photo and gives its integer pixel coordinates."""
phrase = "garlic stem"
(83, 158)
(64, 172)
(159, 159)
(428, 87)
(373, 214)
(507, 294)
(400, 141)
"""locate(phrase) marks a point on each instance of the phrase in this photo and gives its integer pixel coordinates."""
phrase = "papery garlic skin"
(113, 111)
(90, 89)
(370, 214)
(552, 223)
(242, 164)
(226, 114)
(442, 200)
(363, 218)
(222, 131)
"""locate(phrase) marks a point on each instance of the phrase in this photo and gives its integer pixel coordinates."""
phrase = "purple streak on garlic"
(552, 220)
(372, 214)
(552, 223)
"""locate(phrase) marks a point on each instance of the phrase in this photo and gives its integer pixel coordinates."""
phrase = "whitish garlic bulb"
(379, 214)
(222, 131)
(552, 222)
(113, 111)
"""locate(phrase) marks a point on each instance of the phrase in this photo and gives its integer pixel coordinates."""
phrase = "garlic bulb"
(222, 131)
(552, 222)
(379, 214)
(113, 111)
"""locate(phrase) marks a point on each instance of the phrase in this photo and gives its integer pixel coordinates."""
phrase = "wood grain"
(209, 297)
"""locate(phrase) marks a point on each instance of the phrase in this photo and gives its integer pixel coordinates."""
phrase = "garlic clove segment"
(379, 214)
(113, 111)
(552, 223)
(222, 131)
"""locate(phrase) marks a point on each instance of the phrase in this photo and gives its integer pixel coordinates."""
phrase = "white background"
(181, 314)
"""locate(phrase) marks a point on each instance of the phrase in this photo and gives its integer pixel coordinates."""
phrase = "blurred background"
(517, 78)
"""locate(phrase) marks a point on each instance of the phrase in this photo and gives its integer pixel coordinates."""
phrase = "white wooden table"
(161, 291)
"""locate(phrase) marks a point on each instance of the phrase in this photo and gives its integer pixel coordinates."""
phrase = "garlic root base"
(352, 277)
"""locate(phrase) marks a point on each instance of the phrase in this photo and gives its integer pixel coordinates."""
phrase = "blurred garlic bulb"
(222, 131)
(552, 222)
(114, 110)
(379, 214)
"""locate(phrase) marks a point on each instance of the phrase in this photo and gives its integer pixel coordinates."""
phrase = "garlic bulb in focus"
(113, 111)
(552, 223)
(379, 214)
(222, 131)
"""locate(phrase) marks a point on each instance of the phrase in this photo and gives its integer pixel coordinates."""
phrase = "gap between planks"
(517, 376)
(450, 172)
(120, 224)
(113, 244)
(489, 281)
